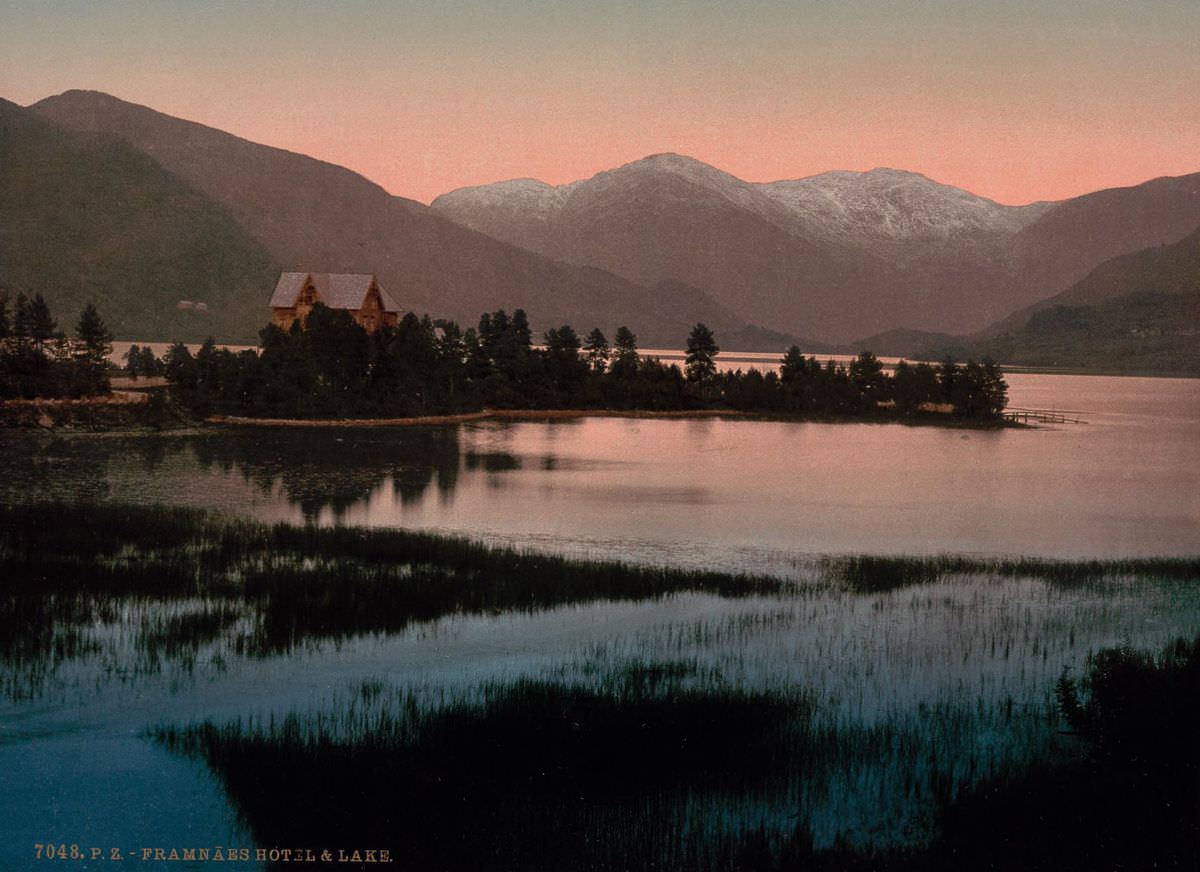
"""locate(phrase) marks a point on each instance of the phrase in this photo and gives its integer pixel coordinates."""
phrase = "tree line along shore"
(333, 369)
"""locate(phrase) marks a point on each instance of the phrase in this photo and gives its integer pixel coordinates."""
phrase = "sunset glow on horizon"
(1017, 101)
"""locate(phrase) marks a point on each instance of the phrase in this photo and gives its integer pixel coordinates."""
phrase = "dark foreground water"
(962, 666)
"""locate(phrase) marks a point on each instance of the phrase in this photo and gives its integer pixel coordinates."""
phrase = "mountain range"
(835, 255)
(838, 255)
(107, 200)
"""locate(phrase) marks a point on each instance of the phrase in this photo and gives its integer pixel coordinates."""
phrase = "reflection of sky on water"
(963, 646)
(108, 790)
(740, 495)
(730, 493)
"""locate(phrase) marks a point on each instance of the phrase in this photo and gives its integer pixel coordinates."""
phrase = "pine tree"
(93, 335)
(625, 358)
(950, 381)
(451, 356)
(995, 389)
(597, 351)
(93, 345)
(793, 367)
(522, 335)
(563, 343)
(479, 364)
(22, 327)
(42, 323)
(151, 366)
(913, 385)
(133, 361)
(872, 384)
(702, 350)
(180, 366)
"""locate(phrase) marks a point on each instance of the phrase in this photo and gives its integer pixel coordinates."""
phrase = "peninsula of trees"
(334, 369)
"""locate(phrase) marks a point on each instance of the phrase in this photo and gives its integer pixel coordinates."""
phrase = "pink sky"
(1015, 100)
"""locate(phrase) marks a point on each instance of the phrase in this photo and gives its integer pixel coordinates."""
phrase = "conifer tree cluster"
(976, 391)
(143, 363)
(333, 368)
(38, 360)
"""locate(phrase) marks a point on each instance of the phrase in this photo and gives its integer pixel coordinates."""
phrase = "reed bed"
(636, 773)
(867, 573)
(683, 720)
(197, 585)
(663, 765)
(125, 550)
(263, 590)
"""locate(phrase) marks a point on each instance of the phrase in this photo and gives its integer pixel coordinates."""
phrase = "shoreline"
(571, 414)
(81, 416)
(131, 411)
(468, 417)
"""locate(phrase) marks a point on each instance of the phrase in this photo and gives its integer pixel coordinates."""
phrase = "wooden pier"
(1040, 416)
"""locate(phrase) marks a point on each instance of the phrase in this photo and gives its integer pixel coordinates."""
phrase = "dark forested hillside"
(90, 219)
(1139, 312)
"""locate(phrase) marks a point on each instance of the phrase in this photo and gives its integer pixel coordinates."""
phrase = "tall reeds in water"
(267, 588)
(653, 767)
(640, 773)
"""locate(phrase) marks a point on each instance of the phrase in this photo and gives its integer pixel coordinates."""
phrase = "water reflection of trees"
(313, 470)
(319, 469)
(53, 468)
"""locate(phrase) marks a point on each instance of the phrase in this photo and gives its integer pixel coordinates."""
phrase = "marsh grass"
(120, 550)
(197, 586)
(654, 766)
(264, 589)
(698, 721)
(636, 773)
(1129, 798)
(649, 767)
(868, 573)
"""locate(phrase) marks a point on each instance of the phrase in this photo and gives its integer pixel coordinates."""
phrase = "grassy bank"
(868, 573)
(120, 410)
(308, 580)
(118, 549)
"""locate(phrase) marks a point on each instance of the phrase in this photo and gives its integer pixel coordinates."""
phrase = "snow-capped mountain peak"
(889, 204)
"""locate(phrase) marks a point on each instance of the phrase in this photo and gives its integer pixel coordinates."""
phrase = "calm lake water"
(967, 664)
(737, 494)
